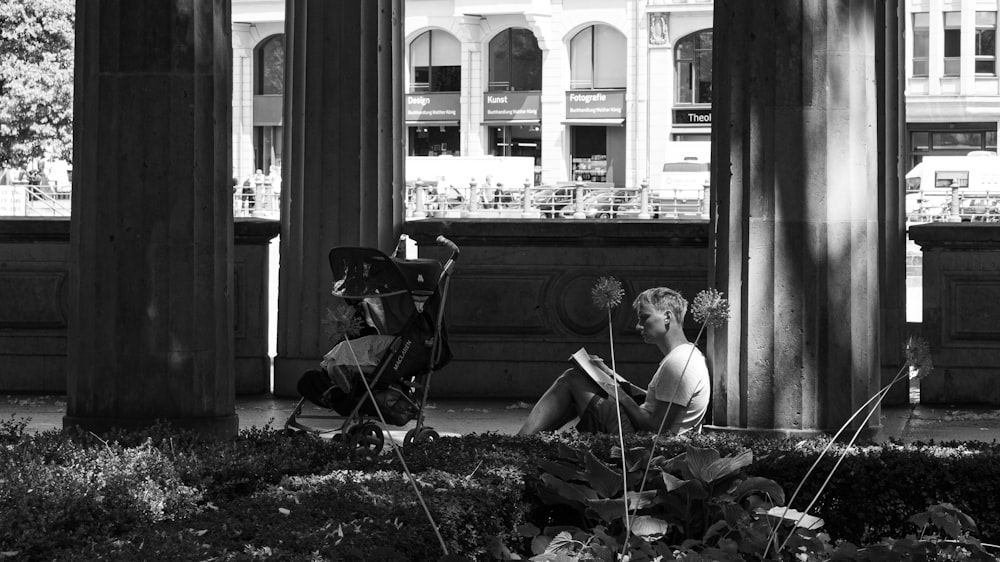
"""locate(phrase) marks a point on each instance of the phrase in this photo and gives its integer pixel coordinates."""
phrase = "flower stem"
(399, 455)
(621, 431)
(659, 431)
(877, 398)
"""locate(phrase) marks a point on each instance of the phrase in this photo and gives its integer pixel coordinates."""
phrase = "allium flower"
(918, 357)
(341, 322)
(607, 293)
(711, 308)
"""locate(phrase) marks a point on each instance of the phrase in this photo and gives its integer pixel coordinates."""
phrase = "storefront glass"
(518, 140)
(589, 154)
(434, 141)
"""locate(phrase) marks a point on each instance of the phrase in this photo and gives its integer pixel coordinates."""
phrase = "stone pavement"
(459, 417)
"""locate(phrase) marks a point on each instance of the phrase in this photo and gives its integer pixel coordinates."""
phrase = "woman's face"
(652, 324)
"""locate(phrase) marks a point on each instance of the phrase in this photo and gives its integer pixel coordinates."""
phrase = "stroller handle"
(451, 246)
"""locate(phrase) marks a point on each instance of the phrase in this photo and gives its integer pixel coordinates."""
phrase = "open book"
(582, 360)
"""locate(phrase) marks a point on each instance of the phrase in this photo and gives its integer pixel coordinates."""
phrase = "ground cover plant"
(161, 494)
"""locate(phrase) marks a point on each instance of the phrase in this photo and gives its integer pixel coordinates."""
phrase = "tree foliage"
(36, 80)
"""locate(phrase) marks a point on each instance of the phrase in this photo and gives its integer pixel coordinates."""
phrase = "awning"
(432, 123)
(501, 123)
(595, 122)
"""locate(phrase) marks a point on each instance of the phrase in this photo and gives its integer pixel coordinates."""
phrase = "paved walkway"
(459, 417)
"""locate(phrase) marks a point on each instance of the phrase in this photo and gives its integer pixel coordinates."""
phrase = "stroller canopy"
(369, 273)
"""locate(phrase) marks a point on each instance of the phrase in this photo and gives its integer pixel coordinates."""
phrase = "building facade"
(595, 91)
(603, 91)
(952, 85)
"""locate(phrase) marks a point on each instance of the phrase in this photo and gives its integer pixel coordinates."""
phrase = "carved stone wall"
(34, 269)
(961, 311)
(519, 303)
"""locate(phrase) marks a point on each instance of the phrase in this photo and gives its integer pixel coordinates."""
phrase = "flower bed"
(162, 495)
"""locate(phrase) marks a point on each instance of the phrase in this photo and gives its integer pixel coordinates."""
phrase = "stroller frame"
(359, 428)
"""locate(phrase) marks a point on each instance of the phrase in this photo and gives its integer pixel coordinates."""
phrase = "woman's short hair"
(662, 300)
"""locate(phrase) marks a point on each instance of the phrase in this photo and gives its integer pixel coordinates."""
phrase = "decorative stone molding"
(519, 303)
(659, 36)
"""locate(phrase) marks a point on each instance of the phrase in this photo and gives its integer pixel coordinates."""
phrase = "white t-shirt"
(682, 378)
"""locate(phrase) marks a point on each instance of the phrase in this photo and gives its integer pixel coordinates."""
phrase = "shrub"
(91, 491)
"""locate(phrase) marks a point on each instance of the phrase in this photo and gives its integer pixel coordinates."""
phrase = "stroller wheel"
(368, 439)
(422, 435)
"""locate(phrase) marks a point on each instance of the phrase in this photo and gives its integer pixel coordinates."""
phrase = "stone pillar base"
(866, 435)
(207, 428)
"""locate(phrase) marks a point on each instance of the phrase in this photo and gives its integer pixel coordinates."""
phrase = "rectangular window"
(952, 43)
(986, 44)
(921, 43)
(949, 179)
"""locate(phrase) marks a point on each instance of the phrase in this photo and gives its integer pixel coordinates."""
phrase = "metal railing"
(955, 205)
(576, 200)
(260, 202)
(23, 200)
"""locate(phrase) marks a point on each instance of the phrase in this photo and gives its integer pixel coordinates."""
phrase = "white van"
(974, 178)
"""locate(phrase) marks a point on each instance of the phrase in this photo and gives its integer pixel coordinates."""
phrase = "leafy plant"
(699, 502)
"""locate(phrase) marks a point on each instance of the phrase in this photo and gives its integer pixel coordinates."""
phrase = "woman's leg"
(566, 399)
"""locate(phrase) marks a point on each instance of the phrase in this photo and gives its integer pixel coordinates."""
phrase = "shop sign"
(595, 104)
(693, 116)
(511, 106)
(432, 106)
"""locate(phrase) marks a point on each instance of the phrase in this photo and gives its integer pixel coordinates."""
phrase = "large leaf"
(759, 484)
(606, 481)
(570, 494)
(565, 452)
(637, 501)
(561, 470)
(672, 482)
(636, 459)
(722, 468)
(795, 516)
(539, 544)
(609, 510)
(678, 463)
(563, 542)
(698, 459)
(646, 526)
(946, 517)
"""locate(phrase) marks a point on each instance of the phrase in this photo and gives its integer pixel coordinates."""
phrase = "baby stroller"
(381, 374)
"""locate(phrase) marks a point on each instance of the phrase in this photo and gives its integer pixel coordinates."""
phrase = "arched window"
(515, 61)
(694, 68)
(597, 58)
(435, 63)
(271, 66)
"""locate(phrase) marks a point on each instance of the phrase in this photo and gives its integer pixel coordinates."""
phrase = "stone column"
(243, 42)
(892, 230)
(151, 315)
(342, 178)
(797, 226)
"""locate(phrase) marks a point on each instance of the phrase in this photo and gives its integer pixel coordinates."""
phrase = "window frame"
(595, 72)
(952, 64)
(921, 29)
(981, 31)
(508, 85)
(261, 65)
(433, 84)
(693, 96)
